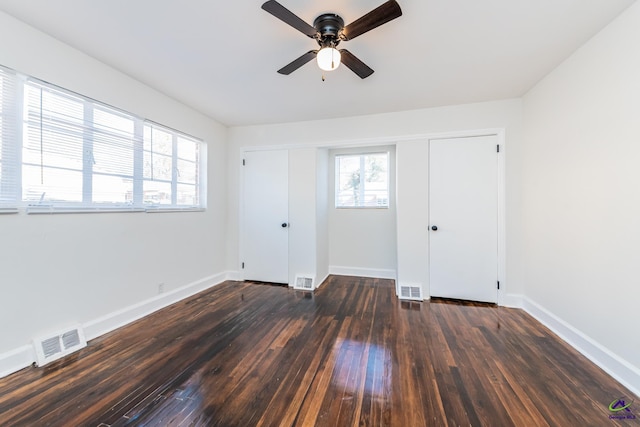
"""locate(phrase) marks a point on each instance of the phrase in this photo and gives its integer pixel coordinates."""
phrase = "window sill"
(8, 211)
(51, 210)
(163, 210)
(362, 207)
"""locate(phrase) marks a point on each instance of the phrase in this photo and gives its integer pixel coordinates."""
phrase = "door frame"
(499, 134)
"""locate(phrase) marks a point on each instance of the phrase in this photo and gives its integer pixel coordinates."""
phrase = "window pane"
(171, 167)
(348, 182)
(51, 185)
(157, 166)
(362, 180)
(187, 172)
(58, 109)
(45, 147)
(158, 141)
(112, 189)
(187, 149)
(187, 195)
(113, 156)
(113, 141)
(157, 193)
(376, 180)
(52, 152)
(113, 123)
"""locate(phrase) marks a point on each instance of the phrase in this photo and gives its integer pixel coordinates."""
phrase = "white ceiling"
(221, 57)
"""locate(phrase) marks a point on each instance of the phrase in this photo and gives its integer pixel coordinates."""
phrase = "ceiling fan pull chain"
(333, 54)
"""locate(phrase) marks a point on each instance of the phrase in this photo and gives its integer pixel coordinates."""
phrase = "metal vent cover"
(411, 293)
(304, 283)
(58, 345)
(51, 346)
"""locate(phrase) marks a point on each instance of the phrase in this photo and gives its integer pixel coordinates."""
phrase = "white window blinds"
(9, 140)
(61, 151)
(76, 153)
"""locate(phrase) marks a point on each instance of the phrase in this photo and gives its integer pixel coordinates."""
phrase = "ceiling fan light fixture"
(328, 58)
(328, 30)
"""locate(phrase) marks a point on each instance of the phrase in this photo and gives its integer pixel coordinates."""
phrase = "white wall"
(58, 270)
(308, 231)
(393, 128)
(322, 216)
(302, 213)
(413, 214)
(581, 195)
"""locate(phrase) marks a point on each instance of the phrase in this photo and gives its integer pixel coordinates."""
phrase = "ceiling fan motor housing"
(329, 26)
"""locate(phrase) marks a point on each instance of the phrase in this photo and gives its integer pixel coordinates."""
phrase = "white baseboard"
(13, 361)
(511, 300)
(320, 282)
(377, 273)
(236, 276)
(118, 319)
(22, 357)
(621, 370)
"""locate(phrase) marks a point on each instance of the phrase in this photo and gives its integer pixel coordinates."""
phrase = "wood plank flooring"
(351, 354)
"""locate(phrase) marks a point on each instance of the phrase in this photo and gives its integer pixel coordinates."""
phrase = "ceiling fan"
(329, 30)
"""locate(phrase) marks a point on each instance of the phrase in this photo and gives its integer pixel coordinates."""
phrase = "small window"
(362, 180)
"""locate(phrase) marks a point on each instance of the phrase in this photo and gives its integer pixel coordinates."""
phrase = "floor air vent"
(55, 346)
(411, 293)
(304, 283)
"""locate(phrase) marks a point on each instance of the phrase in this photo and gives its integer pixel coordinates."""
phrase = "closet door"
(265, 240)
(463, 218)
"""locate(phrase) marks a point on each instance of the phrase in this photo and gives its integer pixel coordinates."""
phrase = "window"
(74, 153)
(171, 168)
(362, 180)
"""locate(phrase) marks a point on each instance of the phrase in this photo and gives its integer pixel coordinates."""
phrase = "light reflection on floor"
(350, 369)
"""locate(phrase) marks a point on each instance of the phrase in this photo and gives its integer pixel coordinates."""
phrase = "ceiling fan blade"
(378, 16)
(354, 64)
(297, 63)
(288, 17)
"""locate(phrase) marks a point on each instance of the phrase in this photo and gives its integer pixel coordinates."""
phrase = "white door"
(463, 218)
(265, 246)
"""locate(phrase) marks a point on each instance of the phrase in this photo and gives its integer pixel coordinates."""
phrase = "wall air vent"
(304, 283)
(411, 292)
(55, 346)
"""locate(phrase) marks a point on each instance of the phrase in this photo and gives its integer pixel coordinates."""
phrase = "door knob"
(285, 225)
(434, 227)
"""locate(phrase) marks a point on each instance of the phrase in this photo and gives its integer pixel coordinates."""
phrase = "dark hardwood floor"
(351, 354)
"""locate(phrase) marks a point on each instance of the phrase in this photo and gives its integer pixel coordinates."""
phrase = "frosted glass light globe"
(328, 58)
